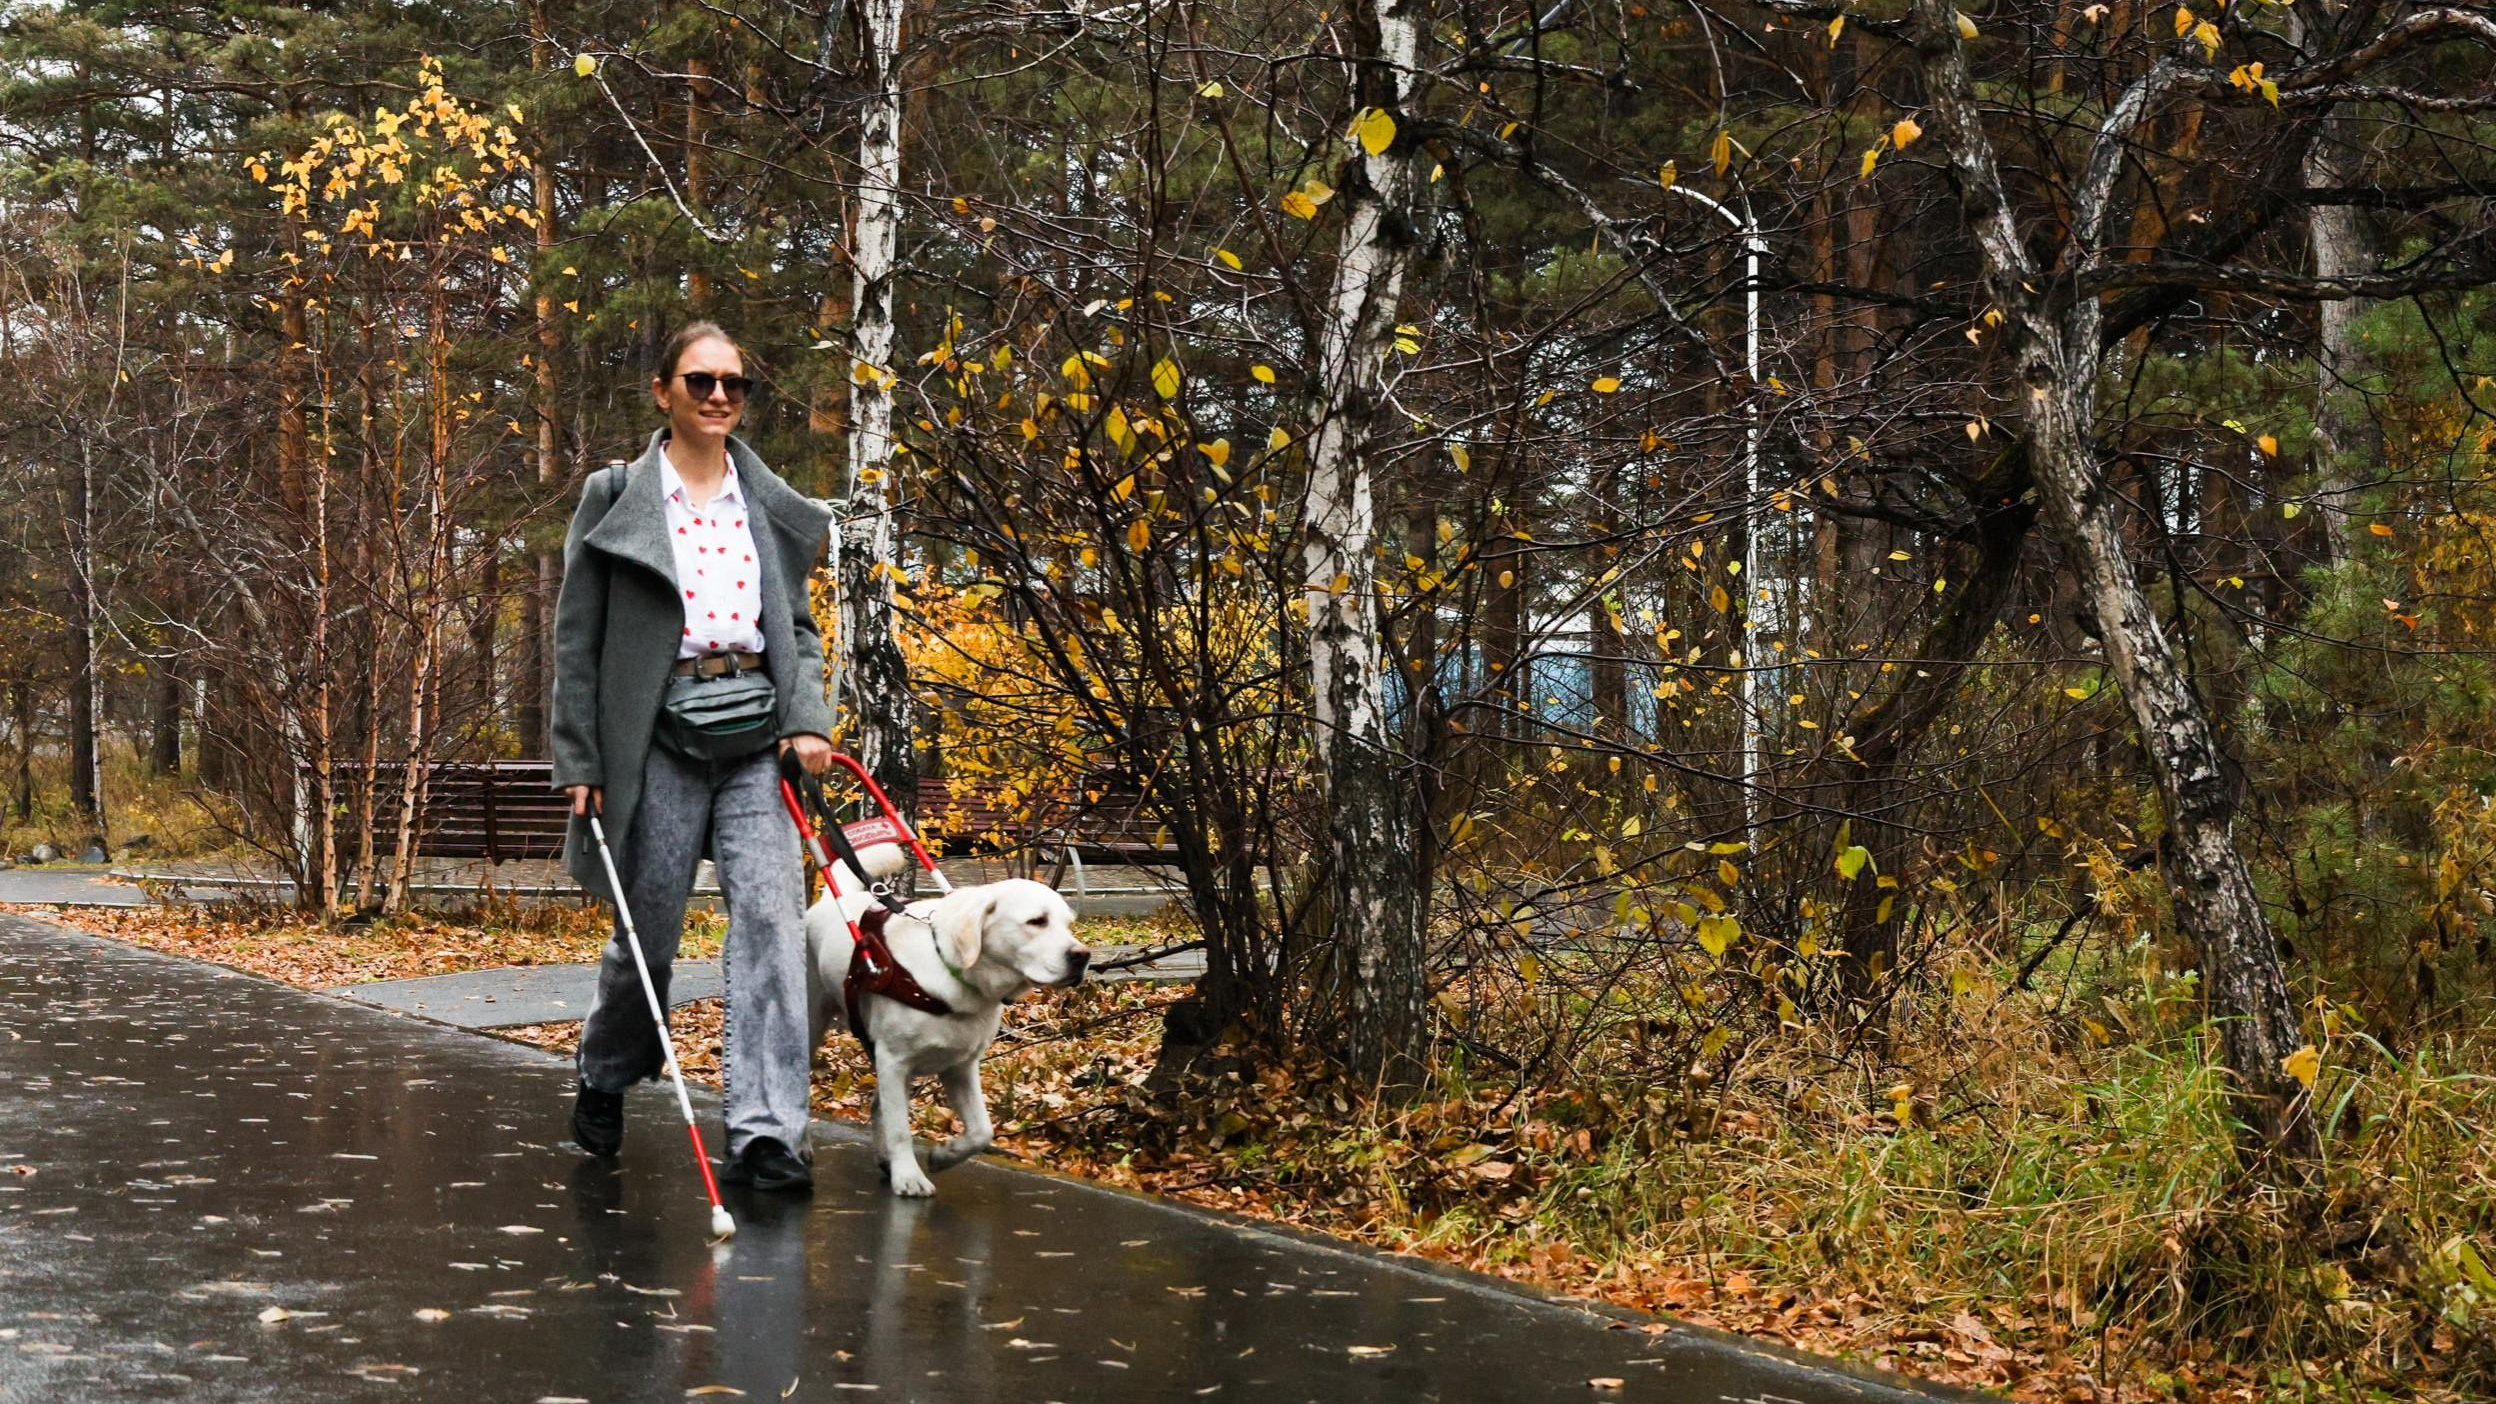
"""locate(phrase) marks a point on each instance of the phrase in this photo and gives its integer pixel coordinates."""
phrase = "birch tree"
(2057, 346)
(1378, 896)
(878, 683)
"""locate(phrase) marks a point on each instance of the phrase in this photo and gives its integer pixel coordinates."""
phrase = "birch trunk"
(86, 750)
(2347, 443)
(878, 684)
(1378, 896)
(2057, 362)
(430, 607)
(323, 857)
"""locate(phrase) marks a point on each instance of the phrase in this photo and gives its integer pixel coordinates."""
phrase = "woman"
(684, 590)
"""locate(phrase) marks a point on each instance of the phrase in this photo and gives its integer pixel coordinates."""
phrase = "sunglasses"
(702, 383)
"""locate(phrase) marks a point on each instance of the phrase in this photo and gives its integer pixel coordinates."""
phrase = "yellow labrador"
(974, 949)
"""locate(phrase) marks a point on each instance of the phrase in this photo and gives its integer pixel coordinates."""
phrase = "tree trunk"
(164, 748)
(2211, 886)
(697, 171)
(879, 686)
(430, 607)
(534, 672)
(1378, 897)
(86, 753)
(22, 713)
(2348, 444)
(483, 638)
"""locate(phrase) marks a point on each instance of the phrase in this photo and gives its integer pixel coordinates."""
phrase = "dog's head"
(1017, 926)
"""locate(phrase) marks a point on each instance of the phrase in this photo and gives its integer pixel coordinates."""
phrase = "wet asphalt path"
(183, 1149)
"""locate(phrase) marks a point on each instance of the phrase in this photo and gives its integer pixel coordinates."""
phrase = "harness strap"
(872, 970)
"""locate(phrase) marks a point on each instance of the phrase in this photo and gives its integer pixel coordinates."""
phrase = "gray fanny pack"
(718, 718)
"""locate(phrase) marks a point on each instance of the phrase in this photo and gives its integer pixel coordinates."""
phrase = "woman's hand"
(586, 798)
(813, 752)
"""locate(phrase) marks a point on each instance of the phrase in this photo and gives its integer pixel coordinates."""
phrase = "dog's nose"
(1077, 961)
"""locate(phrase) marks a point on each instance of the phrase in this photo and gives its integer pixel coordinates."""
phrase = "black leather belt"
(718, 665)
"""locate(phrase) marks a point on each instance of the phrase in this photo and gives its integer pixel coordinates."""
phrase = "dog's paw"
(909, 1181)
(958, 1150)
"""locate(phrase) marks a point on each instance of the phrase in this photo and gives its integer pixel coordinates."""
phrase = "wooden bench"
(502, 810)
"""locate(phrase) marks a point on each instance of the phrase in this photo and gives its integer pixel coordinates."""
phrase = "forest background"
(1813, 663)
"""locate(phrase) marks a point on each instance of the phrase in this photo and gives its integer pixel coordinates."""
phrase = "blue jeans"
(732, 807)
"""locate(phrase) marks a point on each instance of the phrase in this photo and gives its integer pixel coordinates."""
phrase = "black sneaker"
(765, 1164)
(598, 1121)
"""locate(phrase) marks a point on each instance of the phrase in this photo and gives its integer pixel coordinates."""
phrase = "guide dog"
(974, 949)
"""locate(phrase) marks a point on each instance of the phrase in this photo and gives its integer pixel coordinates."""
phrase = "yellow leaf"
(1718, 933)
(1670, 172)
(1279, 439)
(1871, 158)
(2207, 35)
(1605, 385)
(1717, 597)
(1720, 153)
(1529, 967)
(2378, 529)
(1122, 489)
(1727, 873)
(1263, 375)
(1229, 259)
(2183, 21)
(1139, 536)
(1905, 132)
(1219, 451)
(2268, 445)
(1463, 457)
(1967, 27)
(2302, 1064)
(1850, 863)
(1837, 27)
(1633, 826)
(1375, 130)
(1166, 378)
(1299, 206)
(1319, 191)
(583, 65)
(1211, 90)
(2289, 509)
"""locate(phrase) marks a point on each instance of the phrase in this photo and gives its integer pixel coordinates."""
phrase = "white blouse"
(714, 566)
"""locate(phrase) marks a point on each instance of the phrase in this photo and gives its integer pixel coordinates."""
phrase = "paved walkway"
(213, 1187)
(55, 884)
(515, 996)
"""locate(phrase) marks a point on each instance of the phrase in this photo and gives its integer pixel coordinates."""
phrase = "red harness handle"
(872, 968)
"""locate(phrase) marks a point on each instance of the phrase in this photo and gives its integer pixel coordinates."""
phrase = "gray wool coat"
(619, 617)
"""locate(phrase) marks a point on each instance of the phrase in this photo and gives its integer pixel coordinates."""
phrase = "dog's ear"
(961, 920)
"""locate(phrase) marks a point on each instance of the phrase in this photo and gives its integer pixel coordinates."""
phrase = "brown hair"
(673, 353)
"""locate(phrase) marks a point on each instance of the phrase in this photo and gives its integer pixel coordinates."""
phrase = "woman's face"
(696, 419)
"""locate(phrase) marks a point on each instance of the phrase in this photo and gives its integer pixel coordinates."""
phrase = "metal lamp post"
(1754, 744)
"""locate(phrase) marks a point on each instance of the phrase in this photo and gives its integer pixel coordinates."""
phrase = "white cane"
(721, 1225)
